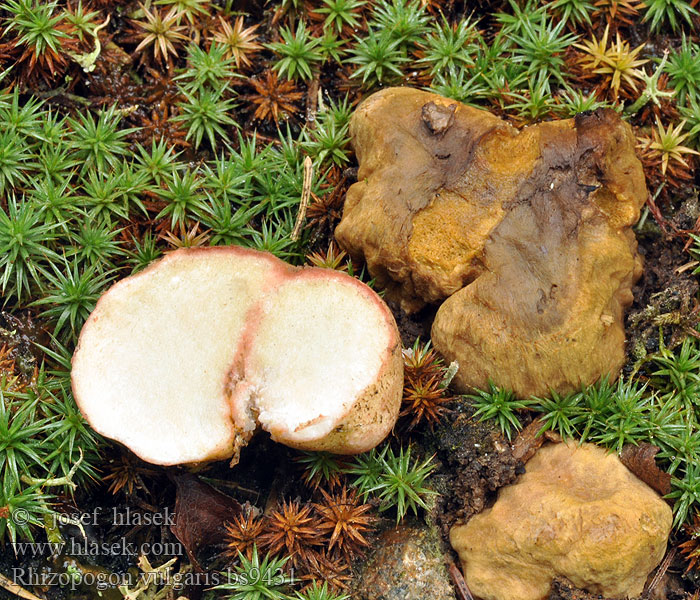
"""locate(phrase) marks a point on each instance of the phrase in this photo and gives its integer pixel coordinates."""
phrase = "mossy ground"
(129, 129)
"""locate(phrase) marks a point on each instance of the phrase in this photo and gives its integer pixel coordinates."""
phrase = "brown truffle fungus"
(526, 233)
(181, 363)
(577, 512)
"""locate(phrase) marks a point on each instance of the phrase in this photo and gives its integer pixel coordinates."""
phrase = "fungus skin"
(525, 235)
(576, 512)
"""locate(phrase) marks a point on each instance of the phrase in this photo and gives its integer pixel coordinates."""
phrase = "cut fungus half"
(184, 361)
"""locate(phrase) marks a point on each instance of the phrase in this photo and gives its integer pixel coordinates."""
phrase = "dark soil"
(475, 460)
(564, 590)
(666, 294)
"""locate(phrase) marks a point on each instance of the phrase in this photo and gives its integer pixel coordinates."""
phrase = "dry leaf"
(200, 514)
(528, 442)
(640, 460)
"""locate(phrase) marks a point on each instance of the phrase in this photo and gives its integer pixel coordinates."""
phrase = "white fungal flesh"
(315, 350)
(150, 368)
(207, 344)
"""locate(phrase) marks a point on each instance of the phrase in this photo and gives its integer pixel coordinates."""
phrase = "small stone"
(406, 565)
(577, 513)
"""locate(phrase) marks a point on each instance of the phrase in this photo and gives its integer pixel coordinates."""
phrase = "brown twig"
(656, 213)
(459, 583)
(13, 588)
(312, 99)
(668, 559)
(263, 137)
(690, 265)
(305, 195)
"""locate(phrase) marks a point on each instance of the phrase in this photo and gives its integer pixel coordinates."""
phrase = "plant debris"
(640, 460)
(201, 513)
(131, 129)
